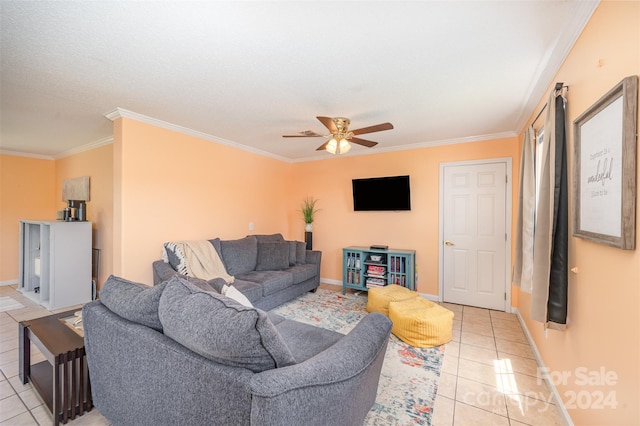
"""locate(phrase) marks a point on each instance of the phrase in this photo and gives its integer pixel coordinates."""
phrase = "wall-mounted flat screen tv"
(381, 194)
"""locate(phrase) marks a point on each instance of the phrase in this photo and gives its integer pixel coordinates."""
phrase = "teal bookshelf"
(364, 268)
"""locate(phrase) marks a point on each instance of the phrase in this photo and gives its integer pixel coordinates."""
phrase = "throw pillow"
(221, 329)
(233, 293)
(292, 252)
(240, 256)
(216, 245)
(173, 255)
(272, 256)
(133, 301)
(301, 253)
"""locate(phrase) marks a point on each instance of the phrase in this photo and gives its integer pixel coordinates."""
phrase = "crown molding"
(543, 80)
(428, 144)
(87, 147)
(26, 154)
(63, 154)
(123, 113)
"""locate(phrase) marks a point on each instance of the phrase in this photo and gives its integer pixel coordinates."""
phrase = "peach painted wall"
(338, 226)
(98, 165)
(171, 186)
(603, 331)
(26, 192)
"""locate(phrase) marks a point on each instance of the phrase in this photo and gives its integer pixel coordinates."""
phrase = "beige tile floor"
(20, 404)
(489, 374)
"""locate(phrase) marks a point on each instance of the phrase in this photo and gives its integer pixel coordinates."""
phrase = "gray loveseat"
(175, 354)
(268, 270)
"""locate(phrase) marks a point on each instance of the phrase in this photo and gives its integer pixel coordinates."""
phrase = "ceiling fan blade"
(328, 123)
(363, 142)
(323, 146)
(371, 129)
(305, 134)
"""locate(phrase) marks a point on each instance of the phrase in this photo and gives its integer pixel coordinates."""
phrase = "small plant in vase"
(308, 210)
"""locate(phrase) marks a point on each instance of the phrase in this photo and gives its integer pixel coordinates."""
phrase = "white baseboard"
(330, 281)
(431, 297)
(542, 368)
(9, 282)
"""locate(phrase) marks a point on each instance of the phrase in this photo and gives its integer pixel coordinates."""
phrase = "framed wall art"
(604, 181)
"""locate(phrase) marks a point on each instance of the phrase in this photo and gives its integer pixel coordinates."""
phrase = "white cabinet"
(55, 262)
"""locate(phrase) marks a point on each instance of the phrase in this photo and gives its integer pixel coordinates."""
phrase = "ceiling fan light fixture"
(335, 147)
(332, 146)
(344, 146)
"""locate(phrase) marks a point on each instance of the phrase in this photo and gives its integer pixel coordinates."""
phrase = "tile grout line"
(495, 346)
(15, 392)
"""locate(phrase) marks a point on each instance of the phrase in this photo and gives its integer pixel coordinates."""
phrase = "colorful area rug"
(409, 378)
(7, 304)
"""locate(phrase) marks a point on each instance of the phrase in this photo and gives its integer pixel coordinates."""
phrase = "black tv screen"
(381, 194)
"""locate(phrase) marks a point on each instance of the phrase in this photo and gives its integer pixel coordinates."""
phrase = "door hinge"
(505, 236)
(506, 178)
(505, 295)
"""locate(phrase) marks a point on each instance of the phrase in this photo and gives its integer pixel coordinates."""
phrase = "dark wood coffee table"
(63, 379)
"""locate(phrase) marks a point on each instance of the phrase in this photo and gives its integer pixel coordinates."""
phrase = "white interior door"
(474, 230)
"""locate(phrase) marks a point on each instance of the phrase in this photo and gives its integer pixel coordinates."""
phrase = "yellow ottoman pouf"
(379, 297)
(421, 323)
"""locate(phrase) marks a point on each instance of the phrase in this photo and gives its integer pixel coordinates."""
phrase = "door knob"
(449, 243)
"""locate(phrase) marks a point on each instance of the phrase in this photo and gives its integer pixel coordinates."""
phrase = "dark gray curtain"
(558, 276)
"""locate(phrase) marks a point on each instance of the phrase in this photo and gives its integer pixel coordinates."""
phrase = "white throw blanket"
(202, 260)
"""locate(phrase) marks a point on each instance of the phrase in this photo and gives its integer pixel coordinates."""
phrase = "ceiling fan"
(341, 135)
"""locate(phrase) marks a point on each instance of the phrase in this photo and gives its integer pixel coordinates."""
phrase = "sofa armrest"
(313, 256)
(139, 377)
(344, 377)
(162, 272)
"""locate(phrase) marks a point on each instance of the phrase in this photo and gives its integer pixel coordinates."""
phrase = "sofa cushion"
(269, 238)
(271, 281)
(272, 256)
(302, 272)
(240, 256)
(301, 253)
(276, 319)
(305, 340)
(133, 301)
(292, 252)
(220, 329)
(253, 291)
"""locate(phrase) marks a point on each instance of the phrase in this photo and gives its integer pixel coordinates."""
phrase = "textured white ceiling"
(249, 72)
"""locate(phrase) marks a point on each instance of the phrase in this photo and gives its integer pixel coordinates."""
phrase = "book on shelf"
(375, 269)
(353, 260)
(375, 284)
(375, 281)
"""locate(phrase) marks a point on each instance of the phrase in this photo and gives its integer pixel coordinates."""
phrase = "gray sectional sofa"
(177, 354)
(268, 270)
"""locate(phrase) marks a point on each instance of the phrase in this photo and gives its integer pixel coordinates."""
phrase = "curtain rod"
(559, 86)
